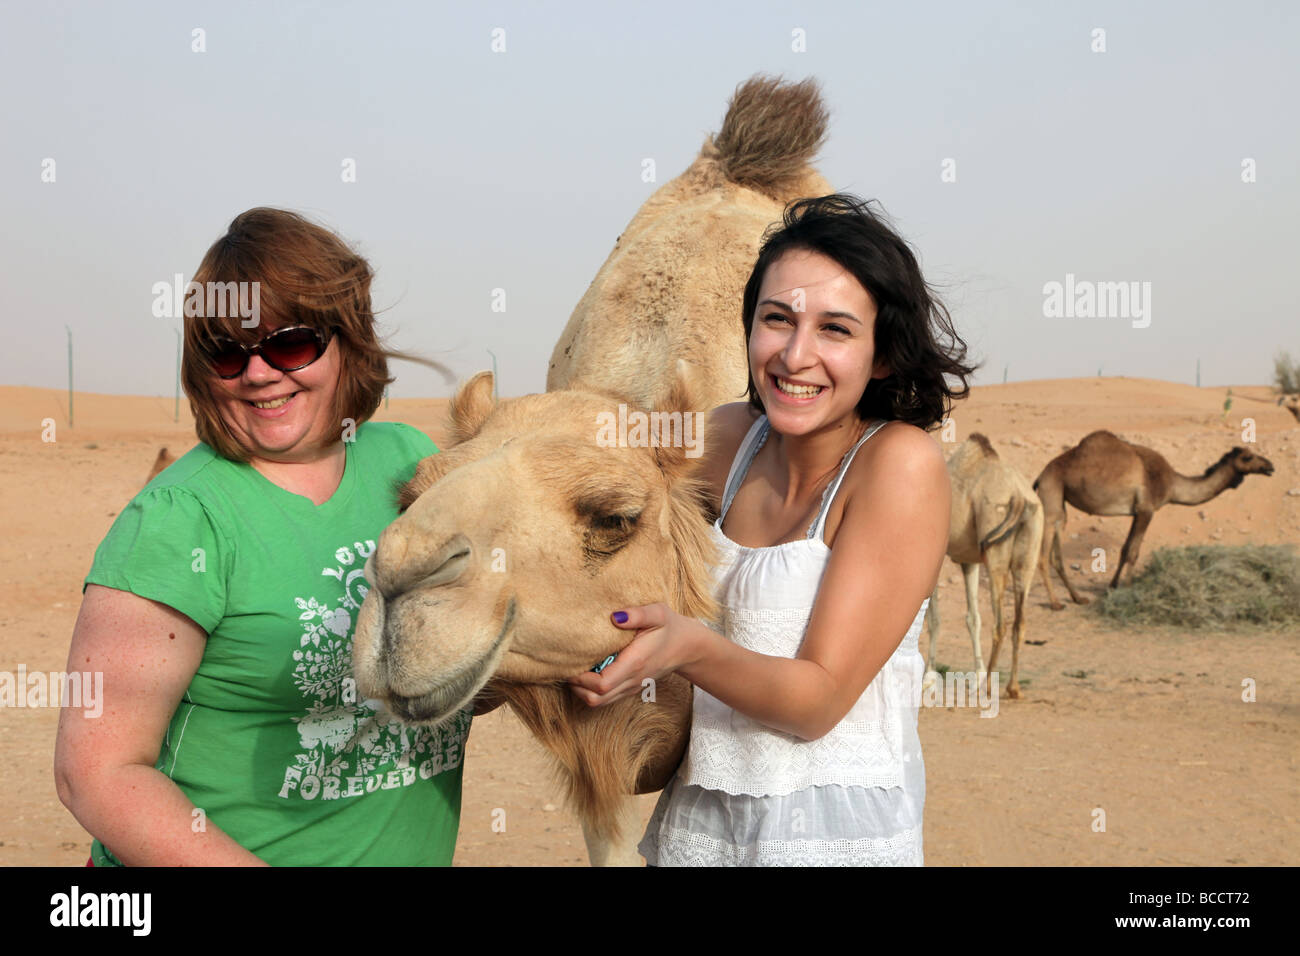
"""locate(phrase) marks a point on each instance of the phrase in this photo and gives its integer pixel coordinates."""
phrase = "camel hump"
(1101, 436)
(771, 132)
(1099, 444)
(984, 445)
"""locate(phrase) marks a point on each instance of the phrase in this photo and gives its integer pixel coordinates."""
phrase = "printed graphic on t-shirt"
(347, 748)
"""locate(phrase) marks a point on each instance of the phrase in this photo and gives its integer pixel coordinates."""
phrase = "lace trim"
(731, 752)
(678, 847)
(724, 755)
(780, 632)
(775, 633)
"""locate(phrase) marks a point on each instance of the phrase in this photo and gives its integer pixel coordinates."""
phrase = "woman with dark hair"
(220, 607)
(833, 508)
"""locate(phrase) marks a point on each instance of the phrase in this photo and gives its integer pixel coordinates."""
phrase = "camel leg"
(1021, 581)
(1052, 602)
(1050, 497)
(996, 561)
(971, 577)
(621, 852)
(1028, 547)
(932, 622)
(1132, 546)
(1058, 562)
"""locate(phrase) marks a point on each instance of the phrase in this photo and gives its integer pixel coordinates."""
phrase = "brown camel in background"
(1105, 475)
(164, 459)
(997, 520)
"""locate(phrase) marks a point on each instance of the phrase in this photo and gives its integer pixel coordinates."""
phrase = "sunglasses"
(285, 350)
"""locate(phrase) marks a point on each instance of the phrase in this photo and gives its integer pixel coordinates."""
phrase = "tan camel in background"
(162, 461)
(997, 521)
(1105, 475)
(519, 540)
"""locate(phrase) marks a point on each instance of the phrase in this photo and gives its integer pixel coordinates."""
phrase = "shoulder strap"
(819, 524)
(754, 439)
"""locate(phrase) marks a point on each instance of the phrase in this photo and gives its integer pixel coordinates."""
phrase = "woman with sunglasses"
(220, 607)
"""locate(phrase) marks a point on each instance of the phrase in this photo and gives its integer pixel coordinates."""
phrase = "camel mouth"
(436, 706)
(452, 693)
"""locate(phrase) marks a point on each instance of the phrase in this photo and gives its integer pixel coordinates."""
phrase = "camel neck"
(1189, 490)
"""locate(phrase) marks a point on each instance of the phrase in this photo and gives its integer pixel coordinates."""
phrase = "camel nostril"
(430, 569)
(448, 571)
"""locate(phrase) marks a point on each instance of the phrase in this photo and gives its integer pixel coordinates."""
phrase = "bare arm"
(885, 560)
(104, 766)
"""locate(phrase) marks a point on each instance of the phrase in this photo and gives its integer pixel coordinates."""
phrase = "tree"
(1286, 374)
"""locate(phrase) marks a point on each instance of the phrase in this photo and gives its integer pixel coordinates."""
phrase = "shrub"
(1211, 588)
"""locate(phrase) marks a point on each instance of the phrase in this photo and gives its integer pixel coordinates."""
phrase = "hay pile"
(1211, 588)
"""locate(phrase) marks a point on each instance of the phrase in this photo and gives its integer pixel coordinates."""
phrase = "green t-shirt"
(270, 740)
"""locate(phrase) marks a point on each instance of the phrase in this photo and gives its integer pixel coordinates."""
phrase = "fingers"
(594, 698)
(616, 681)
(619, 678)
(606, 683)
(639, 618)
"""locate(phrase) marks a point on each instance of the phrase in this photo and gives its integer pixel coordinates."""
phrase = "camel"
(164, 459)
(515, 544)
(997, 520)
(1105, 475)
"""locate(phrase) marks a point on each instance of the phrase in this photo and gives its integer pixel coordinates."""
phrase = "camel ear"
(680, 456)
(473, 403)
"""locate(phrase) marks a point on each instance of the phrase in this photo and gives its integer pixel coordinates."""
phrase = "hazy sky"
(478, 170)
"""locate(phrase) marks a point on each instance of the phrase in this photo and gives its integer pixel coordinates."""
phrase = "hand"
(664, 641)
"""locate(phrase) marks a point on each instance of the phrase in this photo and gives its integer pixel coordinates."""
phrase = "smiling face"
(294, 431)
(812, 343)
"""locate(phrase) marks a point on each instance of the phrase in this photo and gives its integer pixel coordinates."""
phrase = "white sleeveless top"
(747, 794)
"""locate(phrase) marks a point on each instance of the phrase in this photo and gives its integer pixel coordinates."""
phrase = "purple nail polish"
(620, 617)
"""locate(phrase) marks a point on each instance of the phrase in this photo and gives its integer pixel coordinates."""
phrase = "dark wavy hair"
(913, 331)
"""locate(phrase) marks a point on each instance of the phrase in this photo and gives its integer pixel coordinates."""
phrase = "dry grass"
(1211, 588)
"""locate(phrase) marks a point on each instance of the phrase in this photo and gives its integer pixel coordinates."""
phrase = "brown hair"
(306, 275)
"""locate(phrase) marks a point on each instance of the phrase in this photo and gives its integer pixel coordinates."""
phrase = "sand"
(1154, 733)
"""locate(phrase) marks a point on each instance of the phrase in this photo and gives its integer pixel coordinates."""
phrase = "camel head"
(1243, 462)
(516, 544)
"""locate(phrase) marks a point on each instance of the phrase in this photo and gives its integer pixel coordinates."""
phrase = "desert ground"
(1148, 726)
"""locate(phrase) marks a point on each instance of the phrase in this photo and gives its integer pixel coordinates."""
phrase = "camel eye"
(606, 535)
(616, 523)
